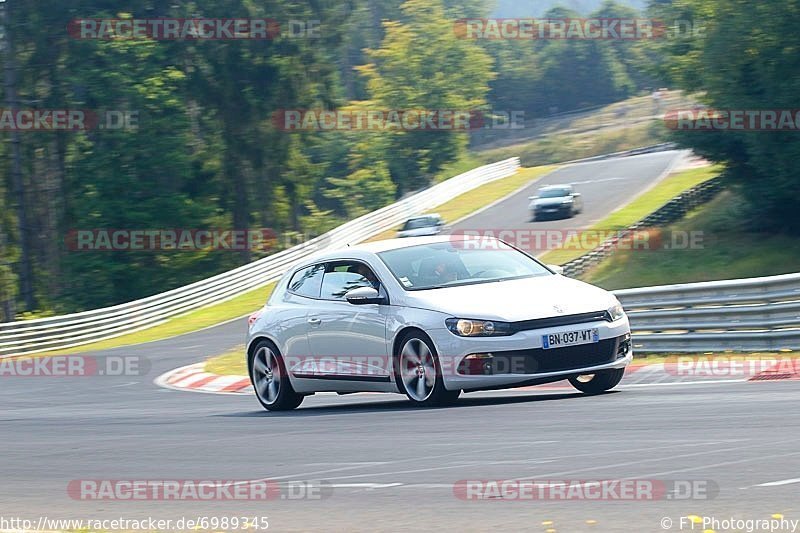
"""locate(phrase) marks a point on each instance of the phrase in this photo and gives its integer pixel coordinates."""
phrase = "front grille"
(556, 321)
(540, 361)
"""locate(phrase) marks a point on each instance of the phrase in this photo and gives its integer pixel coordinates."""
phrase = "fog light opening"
(624, 346)
(477, 364)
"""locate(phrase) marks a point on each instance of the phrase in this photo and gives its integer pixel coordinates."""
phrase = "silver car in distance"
(430, 317)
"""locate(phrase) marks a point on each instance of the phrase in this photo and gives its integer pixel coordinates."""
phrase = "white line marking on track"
(124, 385)
(597, 181)
(416, 470)
(664, 458)
(726, 463)
(778, 483)
(368, 486)
(708, 382)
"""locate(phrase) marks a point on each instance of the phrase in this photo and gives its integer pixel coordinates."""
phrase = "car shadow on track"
(383, 406)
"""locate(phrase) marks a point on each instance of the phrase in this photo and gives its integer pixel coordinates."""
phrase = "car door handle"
(314, 321)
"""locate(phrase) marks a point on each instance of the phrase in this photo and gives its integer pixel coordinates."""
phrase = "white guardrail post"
(68, 331)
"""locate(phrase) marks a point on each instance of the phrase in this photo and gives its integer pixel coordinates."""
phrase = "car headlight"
(616, 312)
(478, 328)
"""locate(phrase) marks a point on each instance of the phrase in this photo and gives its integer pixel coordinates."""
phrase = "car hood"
(514, 300)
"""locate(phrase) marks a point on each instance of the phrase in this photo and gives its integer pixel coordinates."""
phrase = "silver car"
(431, 317)
(422, 226)
(555, 200)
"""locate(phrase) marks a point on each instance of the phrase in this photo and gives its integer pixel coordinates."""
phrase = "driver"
(367, 274)
(444, 274)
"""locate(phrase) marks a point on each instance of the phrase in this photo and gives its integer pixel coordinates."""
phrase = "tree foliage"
(744, 57)
(207, 153)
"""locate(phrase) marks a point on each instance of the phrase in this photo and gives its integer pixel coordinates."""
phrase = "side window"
(307, 281)
(343, 276)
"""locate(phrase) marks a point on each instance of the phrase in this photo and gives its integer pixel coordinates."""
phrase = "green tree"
(745, 57)
(368, 186)
(422, 64)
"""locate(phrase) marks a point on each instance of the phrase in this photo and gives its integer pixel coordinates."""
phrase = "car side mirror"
(533, 197)
(576, 194)
(558, 269)
(363, 296)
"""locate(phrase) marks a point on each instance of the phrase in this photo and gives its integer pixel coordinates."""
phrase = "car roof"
(364, 250)
(564, 186)
(429, 215)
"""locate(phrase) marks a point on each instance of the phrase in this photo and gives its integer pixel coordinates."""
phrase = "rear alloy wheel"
(270, 379)
(598, 382)
(419, 374)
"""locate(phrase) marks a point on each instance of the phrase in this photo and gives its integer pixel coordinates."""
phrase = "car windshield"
(553, 193)
(417, 223)
(453, 263)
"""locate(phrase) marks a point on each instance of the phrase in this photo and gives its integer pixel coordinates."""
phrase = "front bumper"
(519, 359)
(552, 210)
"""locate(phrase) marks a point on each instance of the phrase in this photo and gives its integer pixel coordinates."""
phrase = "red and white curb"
(195, 378)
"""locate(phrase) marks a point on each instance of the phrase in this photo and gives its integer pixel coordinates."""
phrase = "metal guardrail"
(755, 314)
(67, 331)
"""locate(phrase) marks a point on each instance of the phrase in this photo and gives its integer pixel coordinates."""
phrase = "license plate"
(570, 338)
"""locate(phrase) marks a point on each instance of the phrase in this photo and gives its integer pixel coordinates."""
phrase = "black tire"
(599, 382)
(270, 380)
(431, 391)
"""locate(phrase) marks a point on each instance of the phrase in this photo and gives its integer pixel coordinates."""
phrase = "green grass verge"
(471, 201)
(728, 250)
(230, 363)
(639, 208)
(580, 125)
(192, 321)
(559, 147)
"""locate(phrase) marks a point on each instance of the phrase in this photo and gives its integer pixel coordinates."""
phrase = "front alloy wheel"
(270, 380)
(419, 375)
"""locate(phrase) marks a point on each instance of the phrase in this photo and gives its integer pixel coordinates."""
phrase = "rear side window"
(307, 281)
